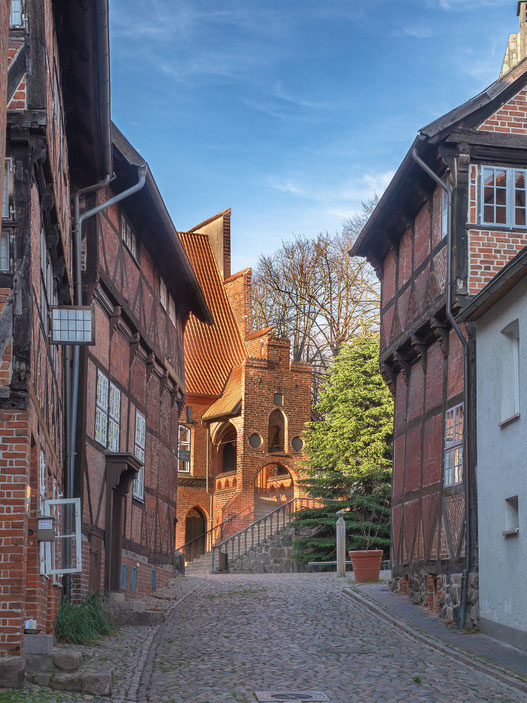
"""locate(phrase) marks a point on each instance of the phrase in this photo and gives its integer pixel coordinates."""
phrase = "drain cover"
(291, 696)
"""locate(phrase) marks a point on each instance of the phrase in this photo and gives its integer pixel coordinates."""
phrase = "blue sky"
(291, 111)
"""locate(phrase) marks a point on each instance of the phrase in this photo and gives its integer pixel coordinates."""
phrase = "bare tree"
(312, 292)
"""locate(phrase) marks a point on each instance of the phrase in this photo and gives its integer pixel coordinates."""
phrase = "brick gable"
(511, 117)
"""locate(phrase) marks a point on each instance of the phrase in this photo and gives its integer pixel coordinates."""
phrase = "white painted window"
(163, 294)
(5, 253)
(107, 413)
(66, 555)
(444, 213)
(184, 449)
(453, 449)
(42, 477)
(138, 488)
(6, 192)
(16, 14)
(128, 235)
(510, 371)
(172, 310)
(503, 196)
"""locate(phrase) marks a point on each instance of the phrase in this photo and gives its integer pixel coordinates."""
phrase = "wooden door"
(195, 527)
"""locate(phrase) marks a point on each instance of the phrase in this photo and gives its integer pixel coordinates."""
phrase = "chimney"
(516, 49)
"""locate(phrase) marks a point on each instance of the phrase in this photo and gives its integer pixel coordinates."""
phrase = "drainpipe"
(80, 219)
(457, 329)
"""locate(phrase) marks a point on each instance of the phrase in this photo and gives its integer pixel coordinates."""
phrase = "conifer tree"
(350, 455)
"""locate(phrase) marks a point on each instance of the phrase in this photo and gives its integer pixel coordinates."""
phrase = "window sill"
(511, 533)
(509, 420)
(496, 228)
(138, 499)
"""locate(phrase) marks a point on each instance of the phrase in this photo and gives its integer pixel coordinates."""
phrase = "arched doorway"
(226, 445)
(274, 485)
(195, 528)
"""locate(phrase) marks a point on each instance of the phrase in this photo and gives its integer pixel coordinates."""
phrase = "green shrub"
(83, 622)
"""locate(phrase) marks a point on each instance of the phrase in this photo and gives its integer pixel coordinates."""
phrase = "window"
(124, 577)
(163, 294)
(510, 371)
(276, 431)
(153, 580)
(503, 199)
(16, 15)
(128, 235)
(453, 454)
(107, 413)
(512, 517)
(133, 584)
(6, 193)
(184, 449)
(444, 213)
(138, 490)
(5, 253)
(172, 310)
(66, 555)
(42, 506)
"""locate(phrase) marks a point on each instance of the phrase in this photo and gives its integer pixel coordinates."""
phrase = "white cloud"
(464, 5)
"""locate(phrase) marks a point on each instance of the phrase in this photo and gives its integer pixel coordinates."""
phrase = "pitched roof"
(229, 402)
(468, 115)
(210, 352)
(210, 219)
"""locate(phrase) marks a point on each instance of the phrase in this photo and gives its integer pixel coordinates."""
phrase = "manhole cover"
(291, 696)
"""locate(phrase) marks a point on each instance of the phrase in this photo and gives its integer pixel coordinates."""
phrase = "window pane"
(501, 215)
(500, 178)
(4, 252)
(488, 195)
(102, 391)
(488, 213)
(501, 196)
(101, 426)
(520, 217)
(520, 179)
(488, 176)
(520, 198)
(5, 193)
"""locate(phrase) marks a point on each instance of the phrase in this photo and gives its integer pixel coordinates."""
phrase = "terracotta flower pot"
(366, 564)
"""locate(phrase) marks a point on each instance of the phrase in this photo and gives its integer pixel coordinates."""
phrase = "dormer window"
(503, 200)
(128, 235)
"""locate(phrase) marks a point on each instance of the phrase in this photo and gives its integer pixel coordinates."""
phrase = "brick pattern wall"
(511, 118)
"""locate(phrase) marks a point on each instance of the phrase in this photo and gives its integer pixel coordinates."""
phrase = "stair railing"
(240, 543)
(196, 547)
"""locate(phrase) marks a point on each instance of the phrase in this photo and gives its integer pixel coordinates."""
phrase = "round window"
(297, 443)
(255, 441)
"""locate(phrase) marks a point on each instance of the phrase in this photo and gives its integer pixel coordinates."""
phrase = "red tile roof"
(211, 352)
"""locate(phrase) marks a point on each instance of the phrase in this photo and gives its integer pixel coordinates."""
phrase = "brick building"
(452, 217)
(54, 145)
(132, 385)
(247, 404)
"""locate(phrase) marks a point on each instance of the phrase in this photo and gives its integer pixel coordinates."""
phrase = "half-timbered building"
(452, 217)
(247, 405)
(54, 144)
(143, 288)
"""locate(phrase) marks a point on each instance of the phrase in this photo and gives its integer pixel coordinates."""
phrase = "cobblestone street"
(227, 637)
(241, 634)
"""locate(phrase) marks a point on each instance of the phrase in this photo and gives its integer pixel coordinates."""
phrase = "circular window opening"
(255, 441)
(297, 443)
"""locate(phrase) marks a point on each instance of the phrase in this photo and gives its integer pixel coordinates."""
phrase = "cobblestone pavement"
(244, 633)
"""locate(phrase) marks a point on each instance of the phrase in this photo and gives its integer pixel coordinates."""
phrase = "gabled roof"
(469, 115)
(196, 228)
(229, 403)
(163, 239)
(210, 352)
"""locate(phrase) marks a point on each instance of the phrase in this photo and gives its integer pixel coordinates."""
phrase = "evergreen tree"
(350, 456)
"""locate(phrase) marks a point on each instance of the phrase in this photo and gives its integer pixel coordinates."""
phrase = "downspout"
(457, 329)
(80, 219)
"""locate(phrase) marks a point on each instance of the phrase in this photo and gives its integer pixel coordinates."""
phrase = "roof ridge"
(237, 274)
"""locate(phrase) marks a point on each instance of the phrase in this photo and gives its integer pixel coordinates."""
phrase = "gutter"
(466, 387)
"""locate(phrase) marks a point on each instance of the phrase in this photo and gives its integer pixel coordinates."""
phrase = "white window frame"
(510, 197)
(16, 14)
(42, 476)
(7, 212)
(163, 294)
(51, 569)
(444, 213)
(138, 486)
(172, 310)
(114, 418)
(5, 251)
(128, 235)
(453, 446)
(184, 444)
(510, 369)
(107, 413)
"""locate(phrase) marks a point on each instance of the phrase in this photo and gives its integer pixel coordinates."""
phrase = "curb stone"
(456, 654)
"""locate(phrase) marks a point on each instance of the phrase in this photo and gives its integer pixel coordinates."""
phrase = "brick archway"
(274, 485)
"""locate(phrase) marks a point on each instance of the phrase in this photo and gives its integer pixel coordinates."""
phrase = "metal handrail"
(278, 515)
(204, 536)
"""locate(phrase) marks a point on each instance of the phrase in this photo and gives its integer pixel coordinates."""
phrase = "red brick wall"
(238, 289)
(511, 118)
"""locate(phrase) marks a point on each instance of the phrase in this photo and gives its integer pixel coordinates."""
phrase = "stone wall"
(273, 556)
(442, 594)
